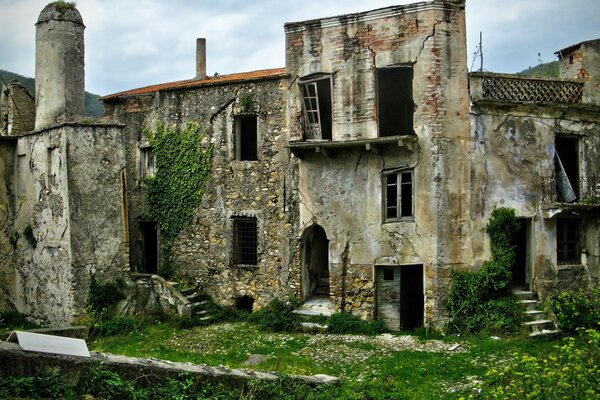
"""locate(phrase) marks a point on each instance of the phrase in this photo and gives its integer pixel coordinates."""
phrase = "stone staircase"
(322, 288)
(537, 322)
(318, 307)
(197, 300)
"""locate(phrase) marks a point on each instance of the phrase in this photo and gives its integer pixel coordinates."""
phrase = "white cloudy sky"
(132, 43)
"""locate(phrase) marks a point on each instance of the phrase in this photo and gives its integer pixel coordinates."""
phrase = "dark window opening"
(567, 241)
(388, 274)
(246, 138)
(399, 194)
(395, 106)
(245, 241)
(566, 163)
(244, 303)
(316, 108)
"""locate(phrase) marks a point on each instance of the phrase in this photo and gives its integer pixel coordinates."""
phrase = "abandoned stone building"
(363, 173)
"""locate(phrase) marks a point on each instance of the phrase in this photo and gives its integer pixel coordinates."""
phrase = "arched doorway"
(315, 262)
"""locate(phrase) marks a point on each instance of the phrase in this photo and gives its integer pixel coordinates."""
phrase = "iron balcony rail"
(586, 191)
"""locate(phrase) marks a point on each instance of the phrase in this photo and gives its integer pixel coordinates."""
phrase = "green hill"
(93, 106)
(544, 70)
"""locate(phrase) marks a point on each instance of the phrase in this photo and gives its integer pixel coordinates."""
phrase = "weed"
(277, 316)
(47, 386)
(105, 295)
(11, 320)
(576, 309)
(102, 383)
(348, 323)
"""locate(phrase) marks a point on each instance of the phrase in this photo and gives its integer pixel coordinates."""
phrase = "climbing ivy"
(481, 301)
(174, 192)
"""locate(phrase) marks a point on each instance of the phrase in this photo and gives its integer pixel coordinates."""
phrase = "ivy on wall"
(175, 190)
(481, 301)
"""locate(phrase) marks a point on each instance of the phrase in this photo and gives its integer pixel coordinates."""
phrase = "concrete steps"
(537, 323)
(318, 307)
(197, 300)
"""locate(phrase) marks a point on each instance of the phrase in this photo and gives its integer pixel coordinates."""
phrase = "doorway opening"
(522, 243)
(315, 263)
(149, 233)
(400, 296)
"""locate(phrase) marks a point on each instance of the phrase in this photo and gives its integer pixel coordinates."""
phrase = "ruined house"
(363, 173)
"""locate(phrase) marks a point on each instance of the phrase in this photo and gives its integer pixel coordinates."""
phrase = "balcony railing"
(513, 88)
(587, 191)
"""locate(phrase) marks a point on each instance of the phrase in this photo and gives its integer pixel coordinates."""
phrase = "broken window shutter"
(563, 185)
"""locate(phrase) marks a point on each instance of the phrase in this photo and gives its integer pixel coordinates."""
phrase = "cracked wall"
(67, 191)
(341, 189)
(263, 189)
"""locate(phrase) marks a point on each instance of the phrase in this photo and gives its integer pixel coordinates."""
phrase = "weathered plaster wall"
(17, 109)
(583, 62)
(343, 193)
(59, 66)
(7, 151)
(68, 194)
(262, 188)
(512, 150)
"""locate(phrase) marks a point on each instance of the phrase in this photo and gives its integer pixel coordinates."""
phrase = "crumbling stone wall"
(582, 61)
(263, 189)
(69, 198)
(343, 192)
(513, 165)
(17, 109)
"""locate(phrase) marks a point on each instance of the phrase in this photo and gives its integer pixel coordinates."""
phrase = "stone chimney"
(59, 65)
(200, 58)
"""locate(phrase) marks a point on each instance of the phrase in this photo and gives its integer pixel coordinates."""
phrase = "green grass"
(371, 367)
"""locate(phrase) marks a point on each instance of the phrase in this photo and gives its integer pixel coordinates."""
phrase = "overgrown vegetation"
(11, 320)
(175, 190)
(347, 323)
(576, 309)
(481, 301)
(277, 316)
(105, 295)
(572, 371)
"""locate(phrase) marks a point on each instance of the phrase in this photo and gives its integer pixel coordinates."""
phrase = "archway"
(315, 262)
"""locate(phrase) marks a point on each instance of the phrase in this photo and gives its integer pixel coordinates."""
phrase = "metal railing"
(587, 191)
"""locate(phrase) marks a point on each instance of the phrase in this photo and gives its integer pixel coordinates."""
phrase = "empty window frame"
(567, 241)
(395, 106)
(398, 195)
(245, 241)
(566, 162)
(246, 138)
(147, 162)
(316, 107)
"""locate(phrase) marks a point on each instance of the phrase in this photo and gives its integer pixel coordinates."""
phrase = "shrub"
(118, 325)
(348, 323)
(481, 301)
(13, 319)
(571, 372)
(102, 383)
(576, 309)
(49, 385)
(277, 316)
(105, 295)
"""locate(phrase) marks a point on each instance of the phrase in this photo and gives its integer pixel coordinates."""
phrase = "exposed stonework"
(17, 109)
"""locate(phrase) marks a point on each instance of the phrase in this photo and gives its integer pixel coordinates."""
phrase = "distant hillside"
(544, 70)
(93, 106)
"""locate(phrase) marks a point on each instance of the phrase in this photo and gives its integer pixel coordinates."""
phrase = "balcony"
(559, 193)
(518, 89)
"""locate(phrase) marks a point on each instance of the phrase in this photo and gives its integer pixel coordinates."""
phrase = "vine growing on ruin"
(175, 190)
(481, 301)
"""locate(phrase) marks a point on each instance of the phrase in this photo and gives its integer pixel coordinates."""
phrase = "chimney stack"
(200, 58)
(59, 65)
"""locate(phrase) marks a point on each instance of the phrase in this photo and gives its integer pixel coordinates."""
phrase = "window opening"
(246, 138)
(395, 104)
(566, 163)
(316, 108)
(399, 190)
(567, 241)
(245, 236)
(147, 162)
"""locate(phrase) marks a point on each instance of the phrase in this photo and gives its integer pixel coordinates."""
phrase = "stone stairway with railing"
(198, 301)
(537, 321)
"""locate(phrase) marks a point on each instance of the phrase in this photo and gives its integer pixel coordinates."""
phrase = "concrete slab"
(36, 342)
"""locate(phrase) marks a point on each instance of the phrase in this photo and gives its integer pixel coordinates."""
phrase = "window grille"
(245, 236)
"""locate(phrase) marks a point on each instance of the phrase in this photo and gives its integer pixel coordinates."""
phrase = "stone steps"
(537, 323)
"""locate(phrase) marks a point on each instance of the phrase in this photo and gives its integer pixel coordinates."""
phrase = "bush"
(12, 319)
(571, 372)
(277, 316)
(348, 323)
(102, 383)
(118, 325)
(48, 385)
(481, 301)
(105, 295)
(576, 309)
